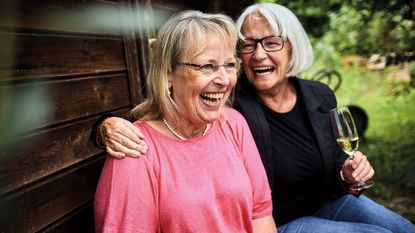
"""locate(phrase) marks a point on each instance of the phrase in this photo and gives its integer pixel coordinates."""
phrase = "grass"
(390, 136)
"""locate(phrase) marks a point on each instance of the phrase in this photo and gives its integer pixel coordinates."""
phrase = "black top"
(300, 166)
(298, 149)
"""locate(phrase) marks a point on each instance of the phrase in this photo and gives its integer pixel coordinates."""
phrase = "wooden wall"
(63, 63)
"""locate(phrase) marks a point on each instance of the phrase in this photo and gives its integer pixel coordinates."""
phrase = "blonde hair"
(285, 24)
(184, 35)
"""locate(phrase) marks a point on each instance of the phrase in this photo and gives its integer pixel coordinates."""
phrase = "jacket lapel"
(318, 113)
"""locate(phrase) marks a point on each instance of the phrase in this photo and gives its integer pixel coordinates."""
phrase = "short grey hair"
(285, 24)
(184, 36)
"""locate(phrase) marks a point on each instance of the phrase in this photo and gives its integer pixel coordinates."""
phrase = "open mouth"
(212, 98)
(263, 70)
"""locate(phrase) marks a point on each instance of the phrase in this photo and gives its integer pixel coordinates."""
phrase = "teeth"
(262, 68)
(213, 95)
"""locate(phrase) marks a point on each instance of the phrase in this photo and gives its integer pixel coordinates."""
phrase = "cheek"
(185, 82)
(232, 80)
(245, 60)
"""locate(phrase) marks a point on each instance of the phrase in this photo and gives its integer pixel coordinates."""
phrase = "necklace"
(178, 135)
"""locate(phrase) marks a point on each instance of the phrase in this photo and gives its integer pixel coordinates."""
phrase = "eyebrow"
(214, 61)
(252, 38)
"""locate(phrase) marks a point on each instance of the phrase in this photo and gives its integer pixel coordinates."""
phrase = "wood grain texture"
(67, 99)
(41, 204)
(33, 56)
(69, 16)
(80, 221)
(46, 152)
(62, 64)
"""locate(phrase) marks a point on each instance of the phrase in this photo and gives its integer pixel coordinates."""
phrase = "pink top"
(213, 183)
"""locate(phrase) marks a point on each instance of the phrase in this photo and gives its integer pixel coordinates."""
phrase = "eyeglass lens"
(269, 44)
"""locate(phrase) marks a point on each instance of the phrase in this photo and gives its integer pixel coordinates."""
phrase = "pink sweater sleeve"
(126, 197)
(261, 192)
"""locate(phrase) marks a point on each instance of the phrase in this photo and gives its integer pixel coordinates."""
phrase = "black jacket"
(318, 99)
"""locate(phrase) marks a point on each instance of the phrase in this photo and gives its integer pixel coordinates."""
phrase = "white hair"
(285, 24)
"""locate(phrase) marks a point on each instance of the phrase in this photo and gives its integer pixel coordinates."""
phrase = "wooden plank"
(39, 56)
(58, 101)
(81, 220)
(183, 4)
(39, 205)
(75, 16)
(131, 53)
(44, 153)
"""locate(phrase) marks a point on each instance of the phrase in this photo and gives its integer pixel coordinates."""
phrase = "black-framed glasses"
(268, 43)
(209, 68)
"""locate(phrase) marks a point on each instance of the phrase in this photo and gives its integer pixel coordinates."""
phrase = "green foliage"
(383, 33)
(391, 133)
(357, 26)
(390, 137)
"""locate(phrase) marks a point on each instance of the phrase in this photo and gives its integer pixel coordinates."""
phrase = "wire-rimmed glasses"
(209, 68)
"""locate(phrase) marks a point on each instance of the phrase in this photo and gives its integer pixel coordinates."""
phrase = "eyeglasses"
(269, 44)
(209, 68)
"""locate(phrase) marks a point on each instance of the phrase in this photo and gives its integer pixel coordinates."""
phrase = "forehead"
(211, 43)
(256, 25)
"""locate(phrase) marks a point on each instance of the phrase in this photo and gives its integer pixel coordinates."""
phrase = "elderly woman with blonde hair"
(202, 171)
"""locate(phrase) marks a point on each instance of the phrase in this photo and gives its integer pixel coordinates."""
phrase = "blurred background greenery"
(371, 44)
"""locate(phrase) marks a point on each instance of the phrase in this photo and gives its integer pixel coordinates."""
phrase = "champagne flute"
(346, 136)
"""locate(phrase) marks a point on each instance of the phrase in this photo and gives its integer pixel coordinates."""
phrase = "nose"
(222, 77)
(259, 52)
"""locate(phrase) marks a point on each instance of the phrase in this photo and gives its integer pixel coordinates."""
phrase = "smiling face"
(201, 98)
(264, 70)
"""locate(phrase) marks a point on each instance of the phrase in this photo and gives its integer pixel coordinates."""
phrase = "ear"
(169, 80)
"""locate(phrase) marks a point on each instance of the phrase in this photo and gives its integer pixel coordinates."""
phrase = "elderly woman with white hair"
(308, 172)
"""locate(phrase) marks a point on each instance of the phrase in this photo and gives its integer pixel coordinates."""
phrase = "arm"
(264, 224)
(261, 193)
(119, 137)
(117, 207)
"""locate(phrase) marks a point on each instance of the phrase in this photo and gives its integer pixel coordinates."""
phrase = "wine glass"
(346, 136)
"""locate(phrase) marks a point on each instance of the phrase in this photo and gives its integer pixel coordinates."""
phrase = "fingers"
(125, 145)
(131, 137)
(113, 153)
(122, 137)
(118, 150)
(362, 170)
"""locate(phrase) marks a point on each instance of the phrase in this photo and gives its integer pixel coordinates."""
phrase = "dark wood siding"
(63, 63)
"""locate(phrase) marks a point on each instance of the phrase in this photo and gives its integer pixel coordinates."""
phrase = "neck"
(181, 136)
(281, 98)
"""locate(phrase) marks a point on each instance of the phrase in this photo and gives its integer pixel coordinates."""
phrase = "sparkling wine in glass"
(346, 136)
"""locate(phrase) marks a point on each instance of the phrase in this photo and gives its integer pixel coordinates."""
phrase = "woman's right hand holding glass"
(120, 137)
(357, 169)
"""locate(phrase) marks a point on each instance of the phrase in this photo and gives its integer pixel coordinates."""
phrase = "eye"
(273, 42)
(247, 44)
(207, 67)
(230, 65)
